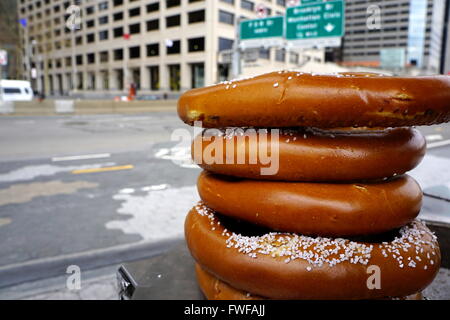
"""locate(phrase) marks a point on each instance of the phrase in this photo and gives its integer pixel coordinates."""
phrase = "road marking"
(23, 193)
(155, 188)
(127, 191)
(108, 169)
(5, 221)
(438, 144)
(434, 137)
(82, 157)
(32, 172)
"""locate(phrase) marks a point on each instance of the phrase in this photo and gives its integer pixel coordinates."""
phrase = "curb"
(83, 107)
(39, 269)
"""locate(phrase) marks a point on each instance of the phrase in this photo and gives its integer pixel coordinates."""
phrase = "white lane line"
(82, 157)
(155, 188)
(434, 137)
(438, 144)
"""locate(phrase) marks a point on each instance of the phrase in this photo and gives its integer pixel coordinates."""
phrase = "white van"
(15, 90)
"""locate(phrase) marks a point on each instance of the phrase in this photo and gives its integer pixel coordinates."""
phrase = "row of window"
(153, 50)
(102, 6)
(155, 6)
(88, 80)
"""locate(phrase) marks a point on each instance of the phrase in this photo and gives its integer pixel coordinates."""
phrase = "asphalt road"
(74, 188)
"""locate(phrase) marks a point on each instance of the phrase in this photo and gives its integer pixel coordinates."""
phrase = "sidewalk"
(97, 284)
(101, 285)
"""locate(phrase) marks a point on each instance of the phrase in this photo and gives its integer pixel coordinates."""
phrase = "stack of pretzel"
(334, 215)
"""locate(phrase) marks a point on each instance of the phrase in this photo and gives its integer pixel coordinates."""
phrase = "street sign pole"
(74, 63)
(236, 56)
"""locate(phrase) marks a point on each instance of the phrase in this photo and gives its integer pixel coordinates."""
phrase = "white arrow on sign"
(329, 27)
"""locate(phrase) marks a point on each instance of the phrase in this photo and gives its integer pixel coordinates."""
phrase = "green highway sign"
(271, 27)
(265, 32)
(316, 20)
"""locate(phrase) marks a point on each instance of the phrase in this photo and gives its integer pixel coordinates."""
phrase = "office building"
(446, 47)
(417, 26)
(164, 47)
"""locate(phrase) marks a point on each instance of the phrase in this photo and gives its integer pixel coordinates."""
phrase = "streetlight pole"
(27, 55)
(74, 63)
(236, 59)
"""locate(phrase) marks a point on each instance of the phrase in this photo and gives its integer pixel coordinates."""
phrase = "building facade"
(164, 47)
(9, 40)
(446, 53)
(417, 26)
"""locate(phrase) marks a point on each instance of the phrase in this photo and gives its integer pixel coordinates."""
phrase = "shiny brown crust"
(312, 155)
(323, 209)
(291, 99)
(407, 264)
(215, 289)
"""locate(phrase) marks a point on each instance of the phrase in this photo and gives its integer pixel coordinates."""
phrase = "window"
(12, 90)
(135, 52)
(118, 16)
(90, 10)
(103, 6)
(153, 50)
(280, 55)
(90, 38)
(173, 21)
(134, 12)
(197, 75)
(153, 7)
(103, 35)
(118, 54)
(172, 3)
(103, 20)
(135, 28)
(154, 77)
(196, 44)
(225, 44)
(264, 53)
(248, 5)
(153, 25)
(91, 58)
(118, 32)
(226, 17)
(196, 16)
(174, 47)
(174, 77)
(104, 56)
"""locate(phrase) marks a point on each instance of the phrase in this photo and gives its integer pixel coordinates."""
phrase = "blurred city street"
(55, 204)
(108, 188)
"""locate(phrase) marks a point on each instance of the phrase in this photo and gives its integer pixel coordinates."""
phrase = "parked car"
(15, 90)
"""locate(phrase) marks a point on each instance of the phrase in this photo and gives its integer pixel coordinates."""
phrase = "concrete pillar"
(164, 77)
(99, 80)
(65, 83)
(145, 78)
(112, 80)
(85, 80)
(185, 76)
